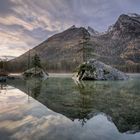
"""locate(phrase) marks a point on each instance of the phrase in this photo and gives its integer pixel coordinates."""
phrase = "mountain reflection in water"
(119, 101)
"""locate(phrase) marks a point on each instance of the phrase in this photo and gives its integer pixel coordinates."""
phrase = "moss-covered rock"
(96, 70)
(35, 72)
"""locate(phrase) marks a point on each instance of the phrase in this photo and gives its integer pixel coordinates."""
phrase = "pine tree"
(1, 64)
(36, 61)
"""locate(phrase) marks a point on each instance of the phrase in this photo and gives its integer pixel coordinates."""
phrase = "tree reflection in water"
(84, 102)
(34, 87)
(3, 87)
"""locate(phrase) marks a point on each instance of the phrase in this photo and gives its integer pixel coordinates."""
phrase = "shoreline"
(62, 75)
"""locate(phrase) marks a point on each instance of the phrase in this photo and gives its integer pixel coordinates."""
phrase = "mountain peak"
(92, 31)
(72, 27)
(133, 15)
(129, 17)
(127, 24)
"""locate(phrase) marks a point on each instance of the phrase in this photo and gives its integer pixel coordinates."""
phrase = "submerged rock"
(35, 72)
(96, 70)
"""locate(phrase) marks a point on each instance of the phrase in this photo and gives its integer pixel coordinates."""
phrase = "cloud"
(24, 24)
(6, 7)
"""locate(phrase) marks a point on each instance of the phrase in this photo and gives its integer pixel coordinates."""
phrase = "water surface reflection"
(71, 110)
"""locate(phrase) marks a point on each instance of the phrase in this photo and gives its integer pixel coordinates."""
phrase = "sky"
(26, 23)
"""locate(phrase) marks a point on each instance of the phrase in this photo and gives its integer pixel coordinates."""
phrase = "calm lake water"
(62, 109)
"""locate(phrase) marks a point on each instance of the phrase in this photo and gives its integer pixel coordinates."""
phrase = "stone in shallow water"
(35, 72)
(96, 70)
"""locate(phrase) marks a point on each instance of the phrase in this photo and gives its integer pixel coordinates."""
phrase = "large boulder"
(35, 72)
(96, 70)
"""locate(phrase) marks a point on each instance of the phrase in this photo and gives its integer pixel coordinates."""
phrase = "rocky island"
(35, 72)
(96, 70)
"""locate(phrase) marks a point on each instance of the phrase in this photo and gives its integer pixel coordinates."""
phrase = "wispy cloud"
(24, 24)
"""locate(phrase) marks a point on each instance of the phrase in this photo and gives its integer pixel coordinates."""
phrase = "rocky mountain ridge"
(118, 47)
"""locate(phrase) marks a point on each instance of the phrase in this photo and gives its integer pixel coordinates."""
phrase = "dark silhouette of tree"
(36, 89)
(36, 61)
(1, 64)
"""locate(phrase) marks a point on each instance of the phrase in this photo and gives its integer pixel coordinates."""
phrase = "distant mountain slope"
(119, 46)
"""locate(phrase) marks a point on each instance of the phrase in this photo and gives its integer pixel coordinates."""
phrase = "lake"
(63, 109)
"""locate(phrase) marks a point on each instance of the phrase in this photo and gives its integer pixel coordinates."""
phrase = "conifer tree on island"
(36, 62)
